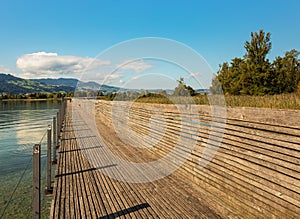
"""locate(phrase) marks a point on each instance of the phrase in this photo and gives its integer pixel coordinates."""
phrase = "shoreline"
(31, 100)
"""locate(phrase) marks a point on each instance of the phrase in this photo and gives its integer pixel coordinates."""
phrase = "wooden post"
(48, 186)
(54, 160)
(36, 181)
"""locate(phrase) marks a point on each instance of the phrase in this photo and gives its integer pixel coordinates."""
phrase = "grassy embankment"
(282, 101)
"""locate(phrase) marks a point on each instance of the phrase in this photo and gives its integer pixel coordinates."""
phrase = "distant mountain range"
(14, 85)
(79, 85)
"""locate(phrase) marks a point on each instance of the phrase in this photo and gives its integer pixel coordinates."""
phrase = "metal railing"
(53, 135)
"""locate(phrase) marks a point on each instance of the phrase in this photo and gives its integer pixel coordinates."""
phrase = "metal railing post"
(58, 126)
(54, 160)
(36, 181)
(49, 164)
(62, 112)
(62, 115)
(61, 118)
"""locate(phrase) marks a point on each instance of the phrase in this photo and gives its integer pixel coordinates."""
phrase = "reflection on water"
(22, 124)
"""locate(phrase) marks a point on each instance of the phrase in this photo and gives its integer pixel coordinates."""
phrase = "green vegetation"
(278, 101)
(255, 75)
(251, 81)
(35, 96)
(183, 90)
(12, 87)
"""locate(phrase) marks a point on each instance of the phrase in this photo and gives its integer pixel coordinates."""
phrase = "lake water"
(22, 124)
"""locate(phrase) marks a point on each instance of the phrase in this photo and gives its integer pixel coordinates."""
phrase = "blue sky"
(80, 30)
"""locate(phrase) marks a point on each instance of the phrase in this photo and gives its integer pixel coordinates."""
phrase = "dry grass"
(282, 101)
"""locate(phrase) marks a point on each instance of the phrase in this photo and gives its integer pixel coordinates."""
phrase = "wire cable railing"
(28, 164)
(21, 180)
(16, 187)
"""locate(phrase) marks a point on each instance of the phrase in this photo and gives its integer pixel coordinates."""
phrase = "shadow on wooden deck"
(126, 211)
(79, 149)
(86, 170)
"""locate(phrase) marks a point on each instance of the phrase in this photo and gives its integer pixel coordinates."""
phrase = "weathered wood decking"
(81, 191)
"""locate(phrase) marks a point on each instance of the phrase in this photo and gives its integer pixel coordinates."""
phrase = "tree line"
(35, 95)
(254, 74)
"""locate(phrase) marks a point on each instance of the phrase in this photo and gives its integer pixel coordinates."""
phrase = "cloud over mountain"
(43, 64)
(137, 66)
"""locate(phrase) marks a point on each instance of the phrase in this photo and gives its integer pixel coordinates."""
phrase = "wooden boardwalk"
(82, 191)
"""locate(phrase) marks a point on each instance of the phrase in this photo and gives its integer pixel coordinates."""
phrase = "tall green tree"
(258, 48)
(258, 75)
(286, 72)
(255, 75)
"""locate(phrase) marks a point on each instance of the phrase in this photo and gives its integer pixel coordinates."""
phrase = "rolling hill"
(79, 85)
(13, 85)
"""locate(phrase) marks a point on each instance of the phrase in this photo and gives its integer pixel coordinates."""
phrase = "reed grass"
(282, 101)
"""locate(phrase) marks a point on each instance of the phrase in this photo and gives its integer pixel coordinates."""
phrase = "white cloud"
(5, 70)
(136, 65)
(28, 75)
(112, 77)
(194, 75)
(43, 64)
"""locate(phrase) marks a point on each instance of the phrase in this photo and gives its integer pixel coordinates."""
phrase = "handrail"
(58, 126)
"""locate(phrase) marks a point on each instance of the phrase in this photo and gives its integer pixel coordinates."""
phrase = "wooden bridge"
(81, 191)
(254, 173)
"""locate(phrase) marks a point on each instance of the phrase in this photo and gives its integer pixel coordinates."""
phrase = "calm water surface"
(22, 124)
